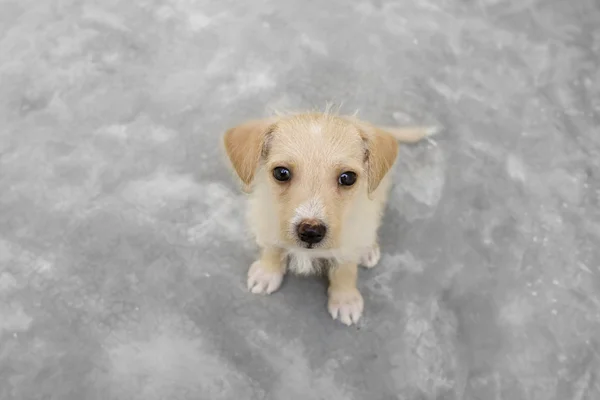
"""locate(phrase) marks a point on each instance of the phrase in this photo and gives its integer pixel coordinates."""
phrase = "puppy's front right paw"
(264, 280)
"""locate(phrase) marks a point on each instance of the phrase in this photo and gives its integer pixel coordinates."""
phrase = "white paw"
(262, 280)
(372, 257)
(345, 305)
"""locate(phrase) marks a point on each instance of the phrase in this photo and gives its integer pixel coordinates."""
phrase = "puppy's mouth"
(308, 246)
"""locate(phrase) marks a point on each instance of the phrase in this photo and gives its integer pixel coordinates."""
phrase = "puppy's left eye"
(347, 178)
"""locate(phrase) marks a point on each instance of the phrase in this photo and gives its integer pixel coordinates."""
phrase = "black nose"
(311, 232)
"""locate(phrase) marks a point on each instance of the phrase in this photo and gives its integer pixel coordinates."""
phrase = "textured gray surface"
(122, 246)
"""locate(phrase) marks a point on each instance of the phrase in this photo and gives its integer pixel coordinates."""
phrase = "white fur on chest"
(302, 263)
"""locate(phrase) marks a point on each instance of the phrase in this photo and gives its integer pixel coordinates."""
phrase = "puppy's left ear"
(245, 144)
(381, 153)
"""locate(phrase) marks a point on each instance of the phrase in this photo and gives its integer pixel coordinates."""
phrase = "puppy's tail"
(412, 134)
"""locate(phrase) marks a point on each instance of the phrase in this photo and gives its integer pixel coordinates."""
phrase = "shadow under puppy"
(317, 186)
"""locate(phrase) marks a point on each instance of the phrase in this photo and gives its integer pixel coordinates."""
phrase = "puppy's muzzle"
(311, 231)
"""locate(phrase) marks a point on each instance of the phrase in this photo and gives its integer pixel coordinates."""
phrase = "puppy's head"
(311, 171)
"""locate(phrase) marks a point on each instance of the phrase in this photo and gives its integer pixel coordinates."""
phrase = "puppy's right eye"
(282, 174)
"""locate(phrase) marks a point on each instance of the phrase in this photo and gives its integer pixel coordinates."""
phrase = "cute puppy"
(317, 186)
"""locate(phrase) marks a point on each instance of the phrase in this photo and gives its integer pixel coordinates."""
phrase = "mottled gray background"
(123, 252)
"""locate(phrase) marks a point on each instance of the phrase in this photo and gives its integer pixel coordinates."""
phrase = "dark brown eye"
(347, 178)
(282, 174)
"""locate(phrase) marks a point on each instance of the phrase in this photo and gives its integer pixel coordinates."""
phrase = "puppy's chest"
(303, 264)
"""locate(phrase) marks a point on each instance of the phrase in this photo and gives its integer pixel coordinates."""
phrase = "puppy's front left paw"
(345, 305)
(263, 280)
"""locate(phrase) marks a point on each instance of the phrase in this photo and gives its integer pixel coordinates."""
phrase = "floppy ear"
(381, 153)
(245, 144)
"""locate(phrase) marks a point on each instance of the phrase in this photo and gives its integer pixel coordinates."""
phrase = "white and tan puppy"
(317, 184)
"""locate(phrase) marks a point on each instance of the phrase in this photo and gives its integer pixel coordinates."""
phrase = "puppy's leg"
(345, 301)
(266, 274)
(371, 257)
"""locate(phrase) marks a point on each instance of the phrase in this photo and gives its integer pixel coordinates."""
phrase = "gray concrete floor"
(122, 246)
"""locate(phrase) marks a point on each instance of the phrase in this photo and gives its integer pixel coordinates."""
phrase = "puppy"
(317, 186)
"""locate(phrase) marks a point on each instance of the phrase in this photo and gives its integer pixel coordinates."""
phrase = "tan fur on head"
(245, 144)
(317, 148)
(382, 150)
(382, 145)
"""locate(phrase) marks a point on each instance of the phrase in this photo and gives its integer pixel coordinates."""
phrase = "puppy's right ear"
(245, 144)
